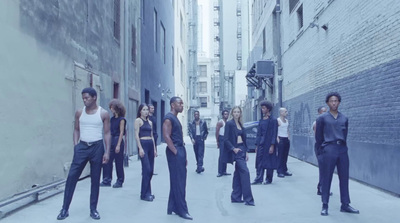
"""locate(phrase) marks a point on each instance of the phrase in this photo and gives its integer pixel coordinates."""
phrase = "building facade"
(331, 45)
(50, 51)
(157, 39)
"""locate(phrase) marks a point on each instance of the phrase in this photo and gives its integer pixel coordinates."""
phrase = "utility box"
(265, 69)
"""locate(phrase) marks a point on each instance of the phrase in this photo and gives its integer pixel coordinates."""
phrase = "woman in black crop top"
(236, 150)
(147, 150)
(117, 128)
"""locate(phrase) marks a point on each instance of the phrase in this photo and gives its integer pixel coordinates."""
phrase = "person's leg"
(343, 173)
(119, 165)
(146, 171)
(244, 179)
(236, 195)
(200, 155)
(108, 168)
(96, 159)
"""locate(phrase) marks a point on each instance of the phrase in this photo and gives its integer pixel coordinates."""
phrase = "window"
(182, 70)
(292, 5)
(116, 90)
(203, 102)
(300, 16)
(143, 10)
(264, 41)
(173, 60)
(203, 70)
(155, 31)
(181, 27)
(162, 42)
(203, 87)
(116, 19)
(133, 49)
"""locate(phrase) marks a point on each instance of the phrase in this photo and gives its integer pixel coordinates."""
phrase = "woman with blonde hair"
(236, 150)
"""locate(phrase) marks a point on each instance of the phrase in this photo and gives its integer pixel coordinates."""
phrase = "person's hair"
(141, 106)
(329, 95)
(267, 104)
(173, 99)
(196, 111)
(222, 113)
(91, 91)
(240, 117)
(320, 109)
(118, 107)
(150, 105)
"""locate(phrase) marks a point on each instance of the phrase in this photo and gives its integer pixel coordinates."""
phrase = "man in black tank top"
(176, 157)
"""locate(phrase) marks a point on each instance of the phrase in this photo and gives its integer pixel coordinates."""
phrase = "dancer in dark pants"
(235, 144)
(147, 150)
(177, 161)
(266, 153)
(321, 110)
(198, 133)
(90, 123)
(118, 126)
(219, 135)
(283, 143)
(331, 144)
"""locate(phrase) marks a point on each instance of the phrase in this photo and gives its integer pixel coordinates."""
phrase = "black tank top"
(114, 125)
(145, 129)
(176, 133)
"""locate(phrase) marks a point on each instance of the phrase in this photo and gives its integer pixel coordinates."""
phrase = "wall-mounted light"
(325, 26)
(314, 24)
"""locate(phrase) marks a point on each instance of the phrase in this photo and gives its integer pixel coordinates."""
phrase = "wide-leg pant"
(198, 148)
(335, 156)
(119, 163)
(221, 165)
(147, 167)
(177, 179)
(283, 154)
(241, 178)
(83, 154)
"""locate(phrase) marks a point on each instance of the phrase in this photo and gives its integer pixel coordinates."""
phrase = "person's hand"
(236, 150)
(256, 149)
(117, 149)
(106, 157)
(141, 153)
(193, 142)
(247, 157)
(155, 153)
(271, 149)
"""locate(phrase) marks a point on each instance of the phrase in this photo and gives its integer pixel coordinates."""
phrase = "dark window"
(133, 49)
(162, 41)
(292, 4)
(117, 19)
(300, 16)
(143, 10)
(202, 87)
(116, 90)
(146, 96)
(155, 31)
(264, 41)
(173, 60)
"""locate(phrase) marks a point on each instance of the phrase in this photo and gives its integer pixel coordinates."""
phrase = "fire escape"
(239, 34)
(217, 55)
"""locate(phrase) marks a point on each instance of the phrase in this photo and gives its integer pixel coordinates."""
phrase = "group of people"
(100, 140)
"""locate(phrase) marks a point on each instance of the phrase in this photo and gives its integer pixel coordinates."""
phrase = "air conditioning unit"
(265, 69)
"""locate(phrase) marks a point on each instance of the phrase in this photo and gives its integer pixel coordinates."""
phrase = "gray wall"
(48, 51)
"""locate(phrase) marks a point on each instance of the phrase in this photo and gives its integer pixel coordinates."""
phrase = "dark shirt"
(330, 130)
(203, 129)
(114, 125)
(176, 131)
(267, 131)
(153, 120)
(145, 129)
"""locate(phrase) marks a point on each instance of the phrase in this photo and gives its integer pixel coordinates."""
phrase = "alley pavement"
(289, 199)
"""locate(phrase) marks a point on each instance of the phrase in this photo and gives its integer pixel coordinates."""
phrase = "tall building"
(50, 51)
(157, 51)
(316, 47)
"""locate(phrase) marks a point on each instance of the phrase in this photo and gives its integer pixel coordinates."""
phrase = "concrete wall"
(48, 51)
(358, 56)
(157, 76)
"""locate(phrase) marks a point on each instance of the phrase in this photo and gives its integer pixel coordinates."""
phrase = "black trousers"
(335, 156)
(319, 159)
(260, 166)
(283, 154)
(119, 163)
(241, 178)
(84, 153)
(147, 167)
(177, 179)
(221, 165)
(198, 148)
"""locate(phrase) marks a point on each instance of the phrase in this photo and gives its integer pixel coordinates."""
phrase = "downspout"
(278, 12)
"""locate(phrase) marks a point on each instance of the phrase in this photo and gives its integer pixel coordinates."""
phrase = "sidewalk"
(289, 199)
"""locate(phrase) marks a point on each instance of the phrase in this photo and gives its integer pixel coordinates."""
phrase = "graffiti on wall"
(301, 120)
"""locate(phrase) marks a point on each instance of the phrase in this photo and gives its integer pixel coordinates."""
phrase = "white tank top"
(222, 129)
(91, 126)
(283, 128)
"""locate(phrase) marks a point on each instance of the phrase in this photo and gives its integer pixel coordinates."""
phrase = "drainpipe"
(278, 12)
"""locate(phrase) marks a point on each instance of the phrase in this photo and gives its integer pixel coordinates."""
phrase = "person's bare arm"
(76, 134)
(152, 138)
(219, 125)
(138, 123)
(121, 135)
(167, 130)
(107, 134)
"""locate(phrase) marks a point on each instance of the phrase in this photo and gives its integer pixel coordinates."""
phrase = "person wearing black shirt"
(331, 145)
(198, 133)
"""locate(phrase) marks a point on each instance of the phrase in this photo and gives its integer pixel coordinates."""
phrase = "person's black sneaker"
(349, 209)
(95, 214)
(105, 185)
(288, 174)
(63, 214)
(117, 185)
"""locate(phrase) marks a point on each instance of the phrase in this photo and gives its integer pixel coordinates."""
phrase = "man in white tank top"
(90, 123)
(219, 135)
(283, 143)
